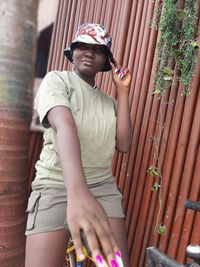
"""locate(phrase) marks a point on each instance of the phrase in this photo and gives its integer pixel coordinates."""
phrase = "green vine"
(177, 46)
(177, 51)
(188, 47)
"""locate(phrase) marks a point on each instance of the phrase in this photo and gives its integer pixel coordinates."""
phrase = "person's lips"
(87, 62)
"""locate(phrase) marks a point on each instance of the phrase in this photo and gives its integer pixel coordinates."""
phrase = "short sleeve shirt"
(95, 118)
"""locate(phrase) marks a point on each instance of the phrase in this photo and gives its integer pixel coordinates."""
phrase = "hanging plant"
(188, 46)
(177, 51)
(177, 47)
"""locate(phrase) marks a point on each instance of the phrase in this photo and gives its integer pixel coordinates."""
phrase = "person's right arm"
(83, 211)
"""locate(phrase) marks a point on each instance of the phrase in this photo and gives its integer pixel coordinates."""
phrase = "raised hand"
(121, 77)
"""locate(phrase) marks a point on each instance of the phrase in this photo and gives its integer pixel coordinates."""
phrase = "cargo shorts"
(47, 205)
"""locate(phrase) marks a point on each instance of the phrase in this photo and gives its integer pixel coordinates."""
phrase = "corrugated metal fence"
(134, 43)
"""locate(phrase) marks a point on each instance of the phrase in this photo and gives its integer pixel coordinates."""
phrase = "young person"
(74, 189)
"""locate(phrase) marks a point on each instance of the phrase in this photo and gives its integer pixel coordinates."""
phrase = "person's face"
(89, 58)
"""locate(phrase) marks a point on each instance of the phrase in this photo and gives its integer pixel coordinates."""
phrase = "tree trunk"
(17, 56)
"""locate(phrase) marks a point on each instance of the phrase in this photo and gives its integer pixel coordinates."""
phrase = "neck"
(87, 78)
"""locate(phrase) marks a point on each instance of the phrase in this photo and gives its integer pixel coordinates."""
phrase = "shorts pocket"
(32, 209)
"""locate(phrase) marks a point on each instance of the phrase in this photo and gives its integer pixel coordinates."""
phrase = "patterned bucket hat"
(91, 33)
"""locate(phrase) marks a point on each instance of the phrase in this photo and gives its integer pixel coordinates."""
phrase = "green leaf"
(155, 187)
(153, 171)
(161, 229)
(182, 14)
(168, 71)
(178, 54)
(168, 74)
(195, 44)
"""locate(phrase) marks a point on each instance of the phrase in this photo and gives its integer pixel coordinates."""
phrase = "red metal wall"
(134, 43)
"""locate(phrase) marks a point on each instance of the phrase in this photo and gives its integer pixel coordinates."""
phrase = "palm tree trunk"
(17, 55)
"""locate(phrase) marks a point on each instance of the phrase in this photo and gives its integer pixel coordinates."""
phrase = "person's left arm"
(123, 128)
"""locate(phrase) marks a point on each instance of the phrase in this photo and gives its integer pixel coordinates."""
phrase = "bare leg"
(46, 249)
(118, 227)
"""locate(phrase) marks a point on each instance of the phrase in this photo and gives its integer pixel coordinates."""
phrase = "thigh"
(46, 249)
(118, 227)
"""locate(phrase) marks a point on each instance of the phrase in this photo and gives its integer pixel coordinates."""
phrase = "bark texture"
(17, 56)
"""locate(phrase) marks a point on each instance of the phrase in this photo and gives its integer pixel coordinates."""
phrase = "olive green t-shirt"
(95, 115)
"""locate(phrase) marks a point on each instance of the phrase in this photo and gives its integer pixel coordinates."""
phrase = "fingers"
(76, 237)
(122, 73)
(101, 242)
(107, 242)
(119, 71)
(119, 258)
(89, 217)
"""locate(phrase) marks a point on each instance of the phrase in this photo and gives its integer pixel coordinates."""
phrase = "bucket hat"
(91, 33)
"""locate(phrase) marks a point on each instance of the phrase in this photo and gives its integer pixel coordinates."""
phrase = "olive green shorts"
(47, 206)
